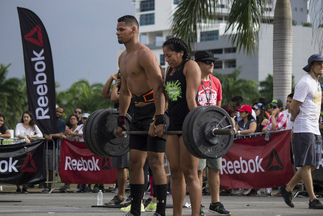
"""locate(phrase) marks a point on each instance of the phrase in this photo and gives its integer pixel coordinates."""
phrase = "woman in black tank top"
(183, 79)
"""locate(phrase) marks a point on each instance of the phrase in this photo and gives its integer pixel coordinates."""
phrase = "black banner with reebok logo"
(22, 164)
(39, 70)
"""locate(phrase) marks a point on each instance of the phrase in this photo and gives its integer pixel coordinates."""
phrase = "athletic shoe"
(87, 190)
(24, 191)
(18, 190)
(315, 204)
(128, 208)
(126, 202)
(218, 208)
(288, 196)
(151, 207)
(115, 201)
(202, 213)
(147, 201)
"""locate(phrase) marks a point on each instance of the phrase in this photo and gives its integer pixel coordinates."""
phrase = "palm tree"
(233, 85)
(13, 99)
(82, 94)
(245, 18)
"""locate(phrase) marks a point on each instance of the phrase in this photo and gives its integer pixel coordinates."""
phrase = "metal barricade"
(55, 161)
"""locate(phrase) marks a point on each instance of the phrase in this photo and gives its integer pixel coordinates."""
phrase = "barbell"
(207, 132)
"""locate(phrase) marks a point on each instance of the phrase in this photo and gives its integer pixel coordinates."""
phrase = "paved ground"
(80, 204)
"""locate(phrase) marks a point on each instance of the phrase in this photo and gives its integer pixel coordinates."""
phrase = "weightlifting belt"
(146, 97)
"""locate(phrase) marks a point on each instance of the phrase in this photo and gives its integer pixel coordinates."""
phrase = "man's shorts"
(121, 161)
(212, 163)
(307, 149)
(141, 120)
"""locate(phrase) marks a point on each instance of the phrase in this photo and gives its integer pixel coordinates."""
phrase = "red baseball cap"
(246, 108)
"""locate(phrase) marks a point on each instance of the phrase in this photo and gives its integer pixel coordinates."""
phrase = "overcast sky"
(82, 35)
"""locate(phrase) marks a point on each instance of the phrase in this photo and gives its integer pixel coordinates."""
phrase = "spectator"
(210, 93)
(71, 134)
(54, 139)
(247, 124)
(79, 129)
(78, 113)
(262, 119)
(277, 120)
(287, 113)
(4, 131)
(122, 162)
(27, 130)
(237, 103)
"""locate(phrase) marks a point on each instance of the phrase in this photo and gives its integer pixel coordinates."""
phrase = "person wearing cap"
(305, 112)
(262, 119)
(79, 130)
(277, 120)
(247, 124)
(237, 103)
(210, 94)
(53, 142)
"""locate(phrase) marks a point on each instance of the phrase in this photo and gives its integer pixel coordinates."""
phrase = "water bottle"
(99, 199)
(267, 135)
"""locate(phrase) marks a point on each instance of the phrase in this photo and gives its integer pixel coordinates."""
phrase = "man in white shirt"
(305, 112)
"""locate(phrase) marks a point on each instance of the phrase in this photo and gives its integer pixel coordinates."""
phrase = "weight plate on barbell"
(207, 118)
(87, 132)
(109, 144)
(186, 131)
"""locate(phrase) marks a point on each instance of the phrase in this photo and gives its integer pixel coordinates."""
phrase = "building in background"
(154, 17)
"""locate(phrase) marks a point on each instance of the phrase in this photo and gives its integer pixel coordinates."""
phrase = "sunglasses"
(273, 107)
(77, 112)
(208, 62)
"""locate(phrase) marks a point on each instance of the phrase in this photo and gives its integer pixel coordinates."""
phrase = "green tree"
(13, 99)
(266, 88)
(83, 95)
(233, 85)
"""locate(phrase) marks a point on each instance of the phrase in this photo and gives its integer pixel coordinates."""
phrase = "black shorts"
(307, 149)
(121, 162)
(141, 120)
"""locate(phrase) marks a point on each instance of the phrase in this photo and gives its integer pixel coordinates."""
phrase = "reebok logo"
(252, 165)
(29, 164)
(81, 164)
(242, 166)
(106, 164)
(35, 36)
(274, 162)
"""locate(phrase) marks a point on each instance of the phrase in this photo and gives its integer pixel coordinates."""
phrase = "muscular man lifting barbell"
(141, 79)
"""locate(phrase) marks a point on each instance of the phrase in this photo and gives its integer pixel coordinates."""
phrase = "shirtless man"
(141, 79)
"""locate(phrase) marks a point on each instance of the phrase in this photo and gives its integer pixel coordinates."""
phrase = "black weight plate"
(109, 144)
(94, 134)
(186, 131)
(197, 111)
(203, 145)
(87, 132)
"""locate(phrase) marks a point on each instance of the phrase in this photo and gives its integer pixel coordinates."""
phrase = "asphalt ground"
(81, 204)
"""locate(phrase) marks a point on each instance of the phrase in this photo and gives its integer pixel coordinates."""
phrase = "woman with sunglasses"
(261, 116)
(247, 124)
(277, 120)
